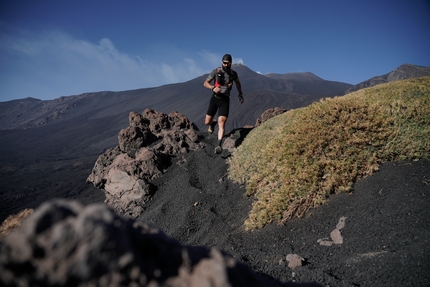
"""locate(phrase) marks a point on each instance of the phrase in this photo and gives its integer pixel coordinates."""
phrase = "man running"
(223, 78)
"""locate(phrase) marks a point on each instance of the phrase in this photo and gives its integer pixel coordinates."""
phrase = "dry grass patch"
(295, 160)
(13, 221)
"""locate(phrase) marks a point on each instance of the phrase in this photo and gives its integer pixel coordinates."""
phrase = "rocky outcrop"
(235, 138)
(268, 114)
(144, 150)
(66, 244)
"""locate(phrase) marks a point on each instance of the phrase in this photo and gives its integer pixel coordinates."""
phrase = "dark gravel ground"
(385, 237)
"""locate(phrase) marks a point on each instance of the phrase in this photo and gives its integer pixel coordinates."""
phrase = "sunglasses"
(225, 63)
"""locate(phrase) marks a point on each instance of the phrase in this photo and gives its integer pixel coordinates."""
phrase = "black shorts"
(220, 104)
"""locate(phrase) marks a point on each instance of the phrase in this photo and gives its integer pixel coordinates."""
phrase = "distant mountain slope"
(12, 111)
(290, 90)
(305, 77)
(406, 71)
(308, 83)
(189, 98)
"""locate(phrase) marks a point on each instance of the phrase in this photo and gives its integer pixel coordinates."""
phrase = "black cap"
(227, 57)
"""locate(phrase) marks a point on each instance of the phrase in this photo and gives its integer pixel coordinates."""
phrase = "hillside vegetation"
(294, 161)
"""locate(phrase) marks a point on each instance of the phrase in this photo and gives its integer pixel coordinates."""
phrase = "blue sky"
(54, 48)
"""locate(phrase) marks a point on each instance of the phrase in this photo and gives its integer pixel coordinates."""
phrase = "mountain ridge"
(289, 91)
(295, 76)
(189, 98)
(403, 72)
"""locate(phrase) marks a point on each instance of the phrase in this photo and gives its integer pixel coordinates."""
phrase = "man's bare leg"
(209, 121)
(221, 127)
(221, 131)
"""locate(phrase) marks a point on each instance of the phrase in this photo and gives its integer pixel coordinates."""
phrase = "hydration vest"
(220, 79)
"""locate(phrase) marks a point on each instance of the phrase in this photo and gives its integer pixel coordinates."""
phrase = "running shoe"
(211, 127)
(218, 150)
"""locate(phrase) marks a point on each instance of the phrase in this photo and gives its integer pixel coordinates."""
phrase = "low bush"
(294, 161)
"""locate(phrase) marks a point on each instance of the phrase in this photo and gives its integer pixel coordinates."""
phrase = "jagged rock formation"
(143, 152)
(406, 71)
(66, 244)
(268, 114)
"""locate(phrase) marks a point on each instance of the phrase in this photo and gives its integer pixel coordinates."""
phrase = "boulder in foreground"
(66, 244)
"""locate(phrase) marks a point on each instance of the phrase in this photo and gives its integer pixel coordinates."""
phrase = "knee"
(208, 120)
(222, 121)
